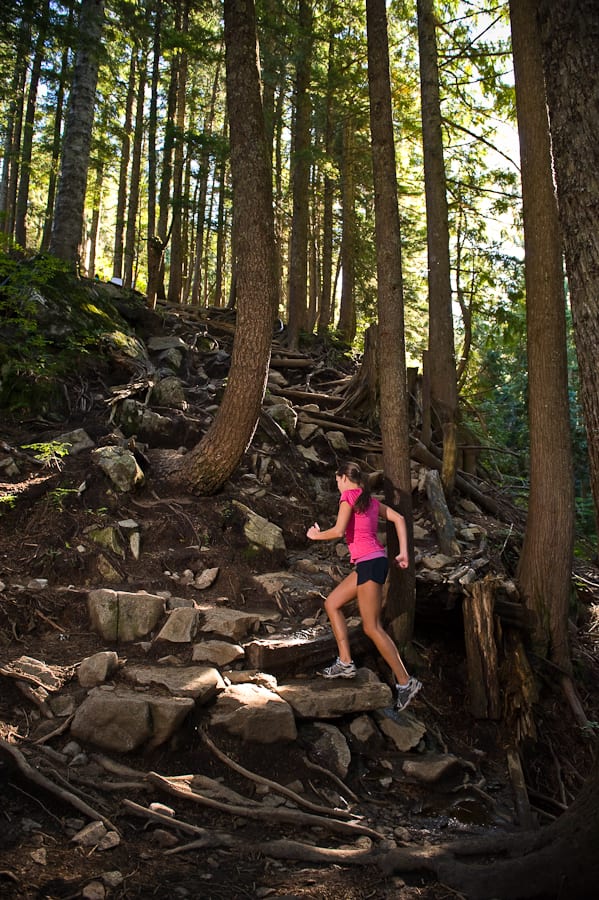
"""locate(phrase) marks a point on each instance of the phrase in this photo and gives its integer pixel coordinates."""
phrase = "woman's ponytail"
(355, 474)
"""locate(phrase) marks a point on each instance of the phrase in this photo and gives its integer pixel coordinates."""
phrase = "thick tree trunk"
(401, 594)
(443, 381)
(550, 521)
(300, 175)
(67, 230)
(211, 462)
(570, 34)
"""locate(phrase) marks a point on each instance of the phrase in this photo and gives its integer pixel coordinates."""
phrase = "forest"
(403, 194)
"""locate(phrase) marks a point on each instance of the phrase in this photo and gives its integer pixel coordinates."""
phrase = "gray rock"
(219, 653)
(330, 748)
(123, 720)
(169, 392)
(122, 616)
(78, 440)
(200, 682)
(404, 729)
(180, 627)
(318, 699)
(254, 714)
(97, 668)
(260, 531)
(227, 623)
(120, 465)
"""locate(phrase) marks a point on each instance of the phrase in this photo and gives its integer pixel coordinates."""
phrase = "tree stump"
(481, 650)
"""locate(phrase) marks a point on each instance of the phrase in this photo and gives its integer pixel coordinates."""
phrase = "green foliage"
(60, 496)
(50, 453)
(7, 502)
(49, 322)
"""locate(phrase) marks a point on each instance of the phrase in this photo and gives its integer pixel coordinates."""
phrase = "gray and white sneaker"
(339, 670)
(405, 692)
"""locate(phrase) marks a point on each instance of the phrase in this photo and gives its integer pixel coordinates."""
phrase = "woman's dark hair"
(353, 471)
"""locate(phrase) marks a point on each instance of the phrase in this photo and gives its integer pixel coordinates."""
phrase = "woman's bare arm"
(402, 559)
(337, 530)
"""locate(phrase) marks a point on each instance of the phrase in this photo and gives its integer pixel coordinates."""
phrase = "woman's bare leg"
(370, 602)
(339, 596)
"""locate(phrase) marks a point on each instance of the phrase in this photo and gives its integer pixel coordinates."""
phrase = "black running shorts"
(373, 570)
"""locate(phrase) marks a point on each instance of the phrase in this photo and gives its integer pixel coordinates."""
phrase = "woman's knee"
(371, 630)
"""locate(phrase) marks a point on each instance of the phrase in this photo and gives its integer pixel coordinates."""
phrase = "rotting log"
(525, 815)
(441, 516)
(299, 651)
(304, 396)
(481, 649)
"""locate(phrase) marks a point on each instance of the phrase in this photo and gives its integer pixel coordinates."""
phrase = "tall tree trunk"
(155, 248)
(546, 588)
(347, 309)
(211, 462)
(570, 32)
(326, 295)
(123, 184)
(134, 183)
(204, 176)
(56, 140)
(300, 176)
(70, 202)
(401, 595)
(220, 238)
(442, 376)
(27, 144)
(95, 220)
(179, 201)
(13, 130)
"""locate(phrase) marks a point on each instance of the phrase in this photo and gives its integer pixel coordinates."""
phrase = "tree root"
(46, 784)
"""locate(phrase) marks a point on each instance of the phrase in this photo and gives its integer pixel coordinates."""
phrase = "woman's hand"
(402, 560)
(313, 532)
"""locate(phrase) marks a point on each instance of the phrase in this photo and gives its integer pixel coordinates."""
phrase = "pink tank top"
(361, 532)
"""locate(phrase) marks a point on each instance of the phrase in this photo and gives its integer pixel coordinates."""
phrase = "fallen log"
(442, 519)
(299, 651)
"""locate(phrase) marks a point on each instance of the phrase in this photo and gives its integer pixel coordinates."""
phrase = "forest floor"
(39, 537)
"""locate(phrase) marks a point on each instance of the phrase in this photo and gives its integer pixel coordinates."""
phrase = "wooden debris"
(267, 814)
(526, 818)
(441, 516)
(36, 778)
(481, 649)
(289, 652)
(273, 785)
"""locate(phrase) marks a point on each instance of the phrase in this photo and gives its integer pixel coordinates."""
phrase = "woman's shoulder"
(350, 496)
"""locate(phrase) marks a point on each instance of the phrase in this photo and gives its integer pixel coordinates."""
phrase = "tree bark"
(123, 185)
(347, 311)
(211, 462)
(550, 520)
(22, 202)
(570, 35)
(67, 229)
(443, 381)
(300, 176)
(179, 200)
(401, 593)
